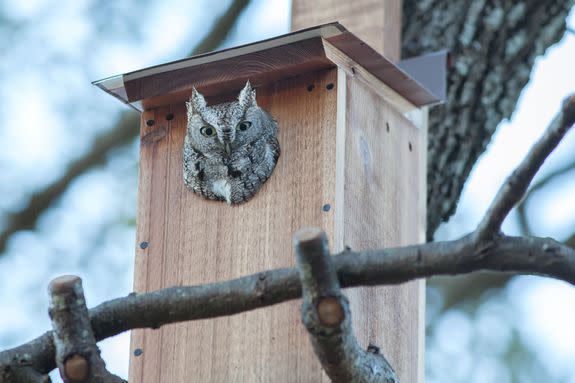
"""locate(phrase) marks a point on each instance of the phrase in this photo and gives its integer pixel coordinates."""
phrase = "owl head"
(221, 129)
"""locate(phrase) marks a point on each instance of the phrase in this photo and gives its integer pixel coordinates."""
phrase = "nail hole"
(150, 122)
(387, 127)
(329, 86)
(170, 116)
(410, 147)
(326, 207)
(353, 70)
(310, 87)
(372, 348)
(144, 245)
(138, 352)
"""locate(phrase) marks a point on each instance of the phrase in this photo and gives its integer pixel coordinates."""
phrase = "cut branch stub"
(330, 312)
(327, 317)
(76, 368)
(77, 356)
(317, 272)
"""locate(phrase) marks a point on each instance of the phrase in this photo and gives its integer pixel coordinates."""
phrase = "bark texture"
(77, 355)
(494, 45)
(326, 314)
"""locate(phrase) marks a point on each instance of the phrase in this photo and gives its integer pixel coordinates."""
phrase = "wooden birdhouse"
(352, 138)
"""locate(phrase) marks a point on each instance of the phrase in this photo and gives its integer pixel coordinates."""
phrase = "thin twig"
(122, 133)
(523, 205)
(327, 317)
(514, 188)
(77, 355)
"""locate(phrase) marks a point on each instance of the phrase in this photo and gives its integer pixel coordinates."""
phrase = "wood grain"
(211, 78)
(263, 62)
(355, 69)
(377, 22)
(192, 240)
(381, 208)
(382, 179)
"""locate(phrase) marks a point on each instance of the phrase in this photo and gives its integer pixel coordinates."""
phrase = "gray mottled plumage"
(230, 149)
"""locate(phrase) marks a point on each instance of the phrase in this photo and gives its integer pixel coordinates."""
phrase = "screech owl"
(230, 149)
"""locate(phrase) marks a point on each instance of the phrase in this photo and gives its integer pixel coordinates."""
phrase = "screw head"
(144, 245)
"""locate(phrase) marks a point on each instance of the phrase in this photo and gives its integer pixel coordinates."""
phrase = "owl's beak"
(227, 148)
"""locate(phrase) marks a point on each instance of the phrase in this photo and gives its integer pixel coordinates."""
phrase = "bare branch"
(21, 373)
(483, 249)
(517, 183)
(121, 134)
(542, 182)
(378, 267)
(124, 132)
(77, 356)
(326, 315)
(570, 241)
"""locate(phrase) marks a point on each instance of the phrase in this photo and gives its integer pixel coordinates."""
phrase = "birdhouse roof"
(420, 80)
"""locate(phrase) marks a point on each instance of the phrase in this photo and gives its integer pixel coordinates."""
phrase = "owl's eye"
(243, 126)
(208, 131)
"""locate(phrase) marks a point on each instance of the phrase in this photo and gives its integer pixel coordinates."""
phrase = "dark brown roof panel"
(261, 62)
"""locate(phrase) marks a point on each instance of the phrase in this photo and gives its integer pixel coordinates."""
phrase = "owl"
(230, 149)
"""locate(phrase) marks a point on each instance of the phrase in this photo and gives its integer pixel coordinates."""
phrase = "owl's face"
(221, 129)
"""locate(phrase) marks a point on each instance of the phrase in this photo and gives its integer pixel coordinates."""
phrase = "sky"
(90, 232)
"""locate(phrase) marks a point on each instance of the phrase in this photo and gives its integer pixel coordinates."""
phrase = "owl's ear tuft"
(197, 102)
(247, 96)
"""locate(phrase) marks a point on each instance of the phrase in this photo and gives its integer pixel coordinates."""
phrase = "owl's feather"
(231, 162)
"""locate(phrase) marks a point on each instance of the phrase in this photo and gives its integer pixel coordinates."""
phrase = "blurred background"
(66, 162)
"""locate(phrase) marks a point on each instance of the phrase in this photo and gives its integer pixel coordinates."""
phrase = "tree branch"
(538, 256)
(514, 188)
(326, 315)
(77, 355)
(121, 134)
(483, 249)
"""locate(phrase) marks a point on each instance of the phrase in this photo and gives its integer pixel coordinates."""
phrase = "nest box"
(352, 137)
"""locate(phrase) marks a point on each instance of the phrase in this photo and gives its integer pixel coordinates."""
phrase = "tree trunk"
(494, 45)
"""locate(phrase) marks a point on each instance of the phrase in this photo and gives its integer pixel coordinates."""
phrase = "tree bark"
(494, 46)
